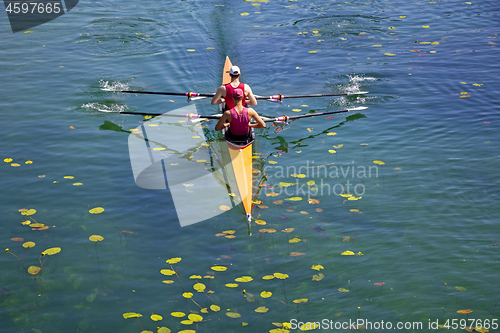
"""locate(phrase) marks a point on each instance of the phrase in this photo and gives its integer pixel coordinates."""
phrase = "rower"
(238, 118)
(226, 91)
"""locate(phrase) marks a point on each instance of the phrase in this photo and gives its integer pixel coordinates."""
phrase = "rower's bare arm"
(259, 122)
(217, 99)
(251, 100)
(222, 121)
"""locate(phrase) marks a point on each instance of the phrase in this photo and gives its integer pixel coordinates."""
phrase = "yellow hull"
(241, 161)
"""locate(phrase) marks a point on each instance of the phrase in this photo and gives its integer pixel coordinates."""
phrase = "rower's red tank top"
(229, 95)
(239, 122)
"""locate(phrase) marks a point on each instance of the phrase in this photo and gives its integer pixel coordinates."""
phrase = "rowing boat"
(241, 157)
(233, 168)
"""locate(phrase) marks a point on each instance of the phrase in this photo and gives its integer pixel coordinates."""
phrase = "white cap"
(235, 70)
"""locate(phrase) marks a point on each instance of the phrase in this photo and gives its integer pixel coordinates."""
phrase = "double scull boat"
(240, 154)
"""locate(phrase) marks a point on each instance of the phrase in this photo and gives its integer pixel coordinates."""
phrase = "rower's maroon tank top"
(239, 122)
(229, 95)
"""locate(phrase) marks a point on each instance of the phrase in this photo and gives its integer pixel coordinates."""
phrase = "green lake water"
(423, 233)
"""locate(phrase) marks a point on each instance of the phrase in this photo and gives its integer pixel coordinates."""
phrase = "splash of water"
(105, 108)
(113, 86)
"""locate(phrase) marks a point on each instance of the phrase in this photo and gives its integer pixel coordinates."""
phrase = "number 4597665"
(476, 323)
(33, 7)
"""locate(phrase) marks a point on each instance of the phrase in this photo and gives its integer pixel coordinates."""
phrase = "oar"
(192, 116)
(287, 118)
(189, 115)
(274, 98)
(188, 94)
(279, 98)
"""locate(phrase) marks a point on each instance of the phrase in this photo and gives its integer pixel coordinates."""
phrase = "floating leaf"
(28, 212)
(224, 207)
(194, 277)
(260, 222)
(266, 294)
(233, 314)
(294, 199)
(343, 290)
(168, 281)
(195, 318)
(332, 133)
(288, 230)
(389, 54)
(272, 194)
(167, 272)
(52, 251)
(261, 309)
(296, 254)
(379, 162)
(379, 283)
(8, 160)
(347, 253)
(199, 287)
(186, 322)
(309, 326)
(34, 270)
(460, 288)
(178, 314)
(272, 162)
(173, 260)
(318, 277)
(244, 279)
(267, 231)
(131, 315)
(97, 210)
(279, 330)
(425, 26)
(283, 184)
(231, 285)
(96, 238)
(317, 267)
(229, 232)
(219, 268)
(214, 307)
(300, 300)
(268, 277)
(17, 239)
(28, 245)
(36, 225)
(163, 330)
(156, 317)
(319, 210)
(331, 151)
(467, 311)
(294, 240)
(281, 276)
(187, 295)
(313, 201)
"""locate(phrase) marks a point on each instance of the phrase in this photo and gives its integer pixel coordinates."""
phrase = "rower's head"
(234, 72)
(237, 95)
